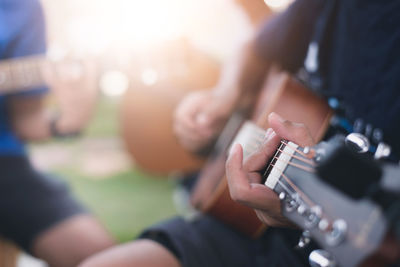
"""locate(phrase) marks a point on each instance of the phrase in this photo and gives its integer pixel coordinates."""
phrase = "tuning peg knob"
(382, 151)
(357, 142)
(337, 233)
(304, 240)
(321, 258)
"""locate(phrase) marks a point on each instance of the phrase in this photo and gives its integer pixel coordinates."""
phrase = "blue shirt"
(22, 33)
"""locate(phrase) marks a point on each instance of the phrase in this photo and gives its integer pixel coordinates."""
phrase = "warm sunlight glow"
(119, 27)
(114, 83)
(278, 5)
(149, 76)
(126, 23)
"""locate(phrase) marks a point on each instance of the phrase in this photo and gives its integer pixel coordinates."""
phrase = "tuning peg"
(323, 225)
(321, 258)
(313, 217)
(358, 126)
(337, 233)
(377, 136)
(357, 142)
(382, 151)
(291, 204)
(304, 240)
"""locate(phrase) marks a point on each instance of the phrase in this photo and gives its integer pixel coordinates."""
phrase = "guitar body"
(290, 99)
(146, 115)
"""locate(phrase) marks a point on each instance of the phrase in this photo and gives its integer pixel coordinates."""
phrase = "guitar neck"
(349, 229)
(21, 74)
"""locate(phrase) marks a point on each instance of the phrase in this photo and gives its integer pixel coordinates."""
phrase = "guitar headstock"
(349, 228)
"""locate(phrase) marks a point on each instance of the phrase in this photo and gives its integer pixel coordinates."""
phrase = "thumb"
(237, 179)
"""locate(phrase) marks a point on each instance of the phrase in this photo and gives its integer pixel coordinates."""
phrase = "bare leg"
(139, 253)
(70, 242)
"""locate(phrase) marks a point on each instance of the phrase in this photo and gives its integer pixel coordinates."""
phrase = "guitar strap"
(312, 73)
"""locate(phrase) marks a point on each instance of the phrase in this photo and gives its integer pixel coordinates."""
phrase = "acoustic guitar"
(354, 231)
(281, 94)
(146, 115)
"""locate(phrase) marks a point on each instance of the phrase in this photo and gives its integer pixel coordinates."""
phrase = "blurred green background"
(124, 198)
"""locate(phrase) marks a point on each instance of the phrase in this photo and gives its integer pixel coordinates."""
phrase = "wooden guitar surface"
(147, 111)
(290, 99)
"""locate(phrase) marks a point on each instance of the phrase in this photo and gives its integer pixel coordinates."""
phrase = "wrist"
(228, 99)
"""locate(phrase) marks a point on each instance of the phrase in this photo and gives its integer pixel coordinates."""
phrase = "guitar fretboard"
(250, 137)
(21, 73)
(278, 163)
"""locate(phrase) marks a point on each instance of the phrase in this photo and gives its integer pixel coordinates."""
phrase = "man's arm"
(282, 41)
(200, 116)
(28, 118)
(75, 99)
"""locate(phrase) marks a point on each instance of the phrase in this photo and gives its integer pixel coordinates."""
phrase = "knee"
(139, 253)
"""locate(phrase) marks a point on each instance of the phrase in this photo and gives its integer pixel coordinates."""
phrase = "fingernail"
(275, 116)
(269, 135)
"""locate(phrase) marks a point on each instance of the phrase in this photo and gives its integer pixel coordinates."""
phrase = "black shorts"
(30, 202)
(205, 241)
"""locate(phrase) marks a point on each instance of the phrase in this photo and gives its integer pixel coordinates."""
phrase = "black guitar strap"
(312, 73)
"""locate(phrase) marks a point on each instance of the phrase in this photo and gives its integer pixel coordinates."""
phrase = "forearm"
(33, 121)
(281, 41)
(242, 78)
(29, 120)
(256, 10)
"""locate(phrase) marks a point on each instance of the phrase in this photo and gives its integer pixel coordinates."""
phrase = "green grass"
(106, 119)
(126, 203)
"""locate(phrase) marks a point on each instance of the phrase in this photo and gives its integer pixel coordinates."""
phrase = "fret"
(21, 74)
(4, 75)
(280, 164)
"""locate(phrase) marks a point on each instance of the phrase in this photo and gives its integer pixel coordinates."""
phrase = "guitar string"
(299, 158)
(291, 192)
(297, 150)
(299, 191)
(296, 189)
(285, 142)
(305, 158)
(296, 165)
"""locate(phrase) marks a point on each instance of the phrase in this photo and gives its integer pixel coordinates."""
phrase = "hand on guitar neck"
(74, 89)
(321, 189)
(244, 178)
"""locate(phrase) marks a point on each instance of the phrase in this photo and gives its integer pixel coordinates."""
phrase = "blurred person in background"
(37, 212)
(205, 241)
(358, 42)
